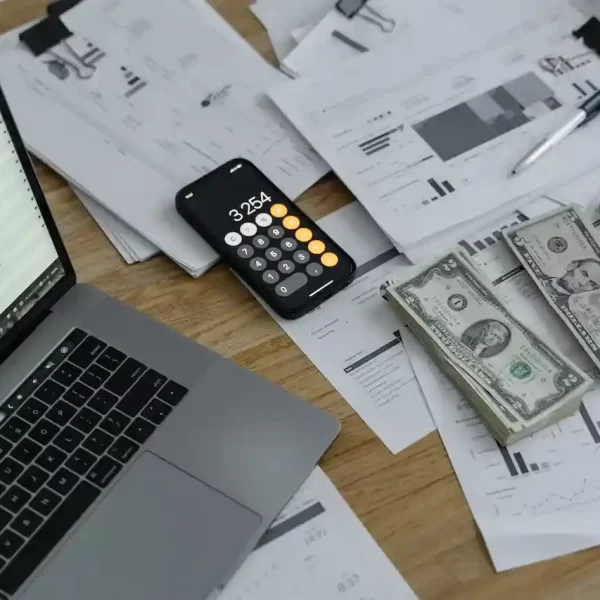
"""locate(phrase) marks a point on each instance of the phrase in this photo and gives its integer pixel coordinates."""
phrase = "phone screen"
(282, 253)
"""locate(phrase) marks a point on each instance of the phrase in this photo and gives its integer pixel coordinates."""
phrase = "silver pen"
(586, 112)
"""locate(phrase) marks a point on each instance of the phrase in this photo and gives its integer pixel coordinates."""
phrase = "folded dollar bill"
(515, 381)
(560, 252)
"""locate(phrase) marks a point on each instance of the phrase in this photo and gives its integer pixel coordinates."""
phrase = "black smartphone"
(280, 252)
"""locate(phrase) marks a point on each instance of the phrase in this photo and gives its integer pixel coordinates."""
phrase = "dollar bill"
(515, 380)
(560, 252)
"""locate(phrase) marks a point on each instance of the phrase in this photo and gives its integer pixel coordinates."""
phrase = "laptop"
(134, 463)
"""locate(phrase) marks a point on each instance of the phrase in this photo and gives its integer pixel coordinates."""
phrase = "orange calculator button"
(279, 210)
(316, 247)
(304, 235)
(291, 222)
(329, 259)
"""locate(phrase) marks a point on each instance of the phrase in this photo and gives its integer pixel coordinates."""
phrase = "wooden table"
(411, 503)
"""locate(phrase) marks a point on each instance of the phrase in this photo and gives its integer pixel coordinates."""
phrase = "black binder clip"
(589, 34)
(361, 8)
(46, 37)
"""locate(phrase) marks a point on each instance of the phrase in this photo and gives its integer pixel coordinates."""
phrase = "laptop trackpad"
(159, 533)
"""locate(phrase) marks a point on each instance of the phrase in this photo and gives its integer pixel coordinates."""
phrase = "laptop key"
(81, 461)
(33, 410)
(63, 482)
(78, 394)
(125, 376)
(95, 376)
(104, 471)
(141, 393)
(10, 543)
(33, 478)
(140, 430)
(68, 439)
(47, 537)
(49, 392)
(87, 352)
(157, 411)
(103, 401)
(9, 470)
(61, 413)
(5, 518)
(5, 447)
(172, 393)
(98, 441)
(111, 359)
(45, 502)
(27, 522)
(26, 450)
(123, 449)
(115, 423)
(86, 420)
(15, 429)
(66, 374)
(51, 458)
(15, 498)
(44, 432)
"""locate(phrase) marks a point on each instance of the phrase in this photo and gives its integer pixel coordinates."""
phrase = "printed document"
(354, 340)
(429, 146)
(154, 114)
(317, 549)
(538, 498)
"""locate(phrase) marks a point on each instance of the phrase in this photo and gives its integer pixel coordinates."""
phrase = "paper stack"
(129, 110)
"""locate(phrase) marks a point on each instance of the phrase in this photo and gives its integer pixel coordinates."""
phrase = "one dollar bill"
(516, 382)
(561, 253)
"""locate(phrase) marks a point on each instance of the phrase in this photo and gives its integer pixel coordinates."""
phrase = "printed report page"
(26, 248)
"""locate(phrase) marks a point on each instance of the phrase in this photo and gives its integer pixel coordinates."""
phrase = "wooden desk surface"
(411, 503)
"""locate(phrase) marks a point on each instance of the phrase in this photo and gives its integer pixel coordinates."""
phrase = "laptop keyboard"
(64, 435)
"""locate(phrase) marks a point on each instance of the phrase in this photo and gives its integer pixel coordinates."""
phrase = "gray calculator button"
(314, 269)
(276, 232)
(286, 267)
(274, 254)
(258, 264)
(270, 276)
(245, 251)
(261, 241)
(289, 244)
(290, 285)
(301, 257)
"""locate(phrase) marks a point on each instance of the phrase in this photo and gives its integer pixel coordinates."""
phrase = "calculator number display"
(249, 207)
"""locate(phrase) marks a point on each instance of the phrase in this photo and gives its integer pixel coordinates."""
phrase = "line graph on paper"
(581, 494)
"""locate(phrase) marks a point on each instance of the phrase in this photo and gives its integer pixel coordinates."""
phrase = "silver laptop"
(134, 463)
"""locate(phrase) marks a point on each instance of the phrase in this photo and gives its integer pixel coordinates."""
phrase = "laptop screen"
(29, 261)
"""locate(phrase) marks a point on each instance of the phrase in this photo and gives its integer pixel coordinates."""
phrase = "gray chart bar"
(372, 264)
(365, 359)
(508, 460)
(585, 415)
(290, 524)
(521, 463)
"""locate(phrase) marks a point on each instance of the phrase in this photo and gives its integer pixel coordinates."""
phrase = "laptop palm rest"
(145, 539)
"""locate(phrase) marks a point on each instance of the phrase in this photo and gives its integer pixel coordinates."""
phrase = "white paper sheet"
(336, 38)
(352, 339)
(390, 134)
(281, 17)
(317, 549)
(130, 244)
(155, 115)
(536, 499)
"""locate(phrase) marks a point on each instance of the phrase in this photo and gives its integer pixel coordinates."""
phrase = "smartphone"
(280, 252)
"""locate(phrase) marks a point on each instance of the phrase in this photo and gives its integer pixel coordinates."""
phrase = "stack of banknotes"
(513, 379)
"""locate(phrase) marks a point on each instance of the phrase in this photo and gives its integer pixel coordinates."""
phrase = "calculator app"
(264, 234)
